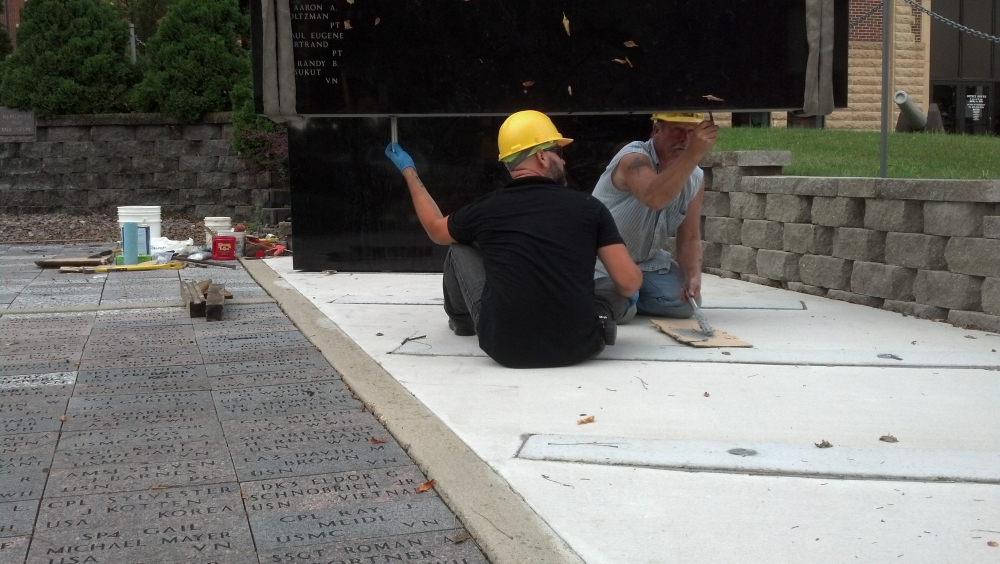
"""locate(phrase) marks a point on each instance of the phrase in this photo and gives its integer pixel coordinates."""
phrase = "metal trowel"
(706, 329)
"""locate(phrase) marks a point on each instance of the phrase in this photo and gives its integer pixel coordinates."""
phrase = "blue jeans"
(660, 294)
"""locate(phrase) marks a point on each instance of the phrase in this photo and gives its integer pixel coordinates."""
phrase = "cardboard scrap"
(686, 331)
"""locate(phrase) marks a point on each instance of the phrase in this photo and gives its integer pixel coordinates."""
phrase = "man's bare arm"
(689, 253)
(635, 174)
(623, 272)
(428, 212)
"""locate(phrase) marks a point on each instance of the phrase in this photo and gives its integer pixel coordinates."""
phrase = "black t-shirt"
(539, 240)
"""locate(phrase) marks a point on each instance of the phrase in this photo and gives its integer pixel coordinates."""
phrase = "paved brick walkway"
(141, 435)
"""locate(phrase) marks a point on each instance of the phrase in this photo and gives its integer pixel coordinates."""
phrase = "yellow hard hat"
(680, 118)
(525, 130)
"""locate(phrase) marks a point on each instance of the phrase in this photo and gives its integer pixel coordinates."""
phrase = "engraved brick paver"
(142, 435)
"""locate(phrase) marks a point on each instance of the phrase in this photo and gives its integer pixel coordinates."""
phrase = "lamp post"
(883, 157)
(131, 37)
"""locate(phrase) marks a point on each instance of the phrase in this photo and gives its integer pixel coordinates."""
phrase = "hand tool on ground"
(206, 262)
(172, 265)
(706, 329)
(62, 262)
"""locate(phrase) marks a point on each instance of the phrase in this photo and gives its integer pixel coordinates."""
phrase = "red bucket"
(224, 247)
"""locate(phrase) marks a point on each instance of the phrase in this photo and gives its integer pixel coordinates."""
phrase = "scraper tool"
(706, 329)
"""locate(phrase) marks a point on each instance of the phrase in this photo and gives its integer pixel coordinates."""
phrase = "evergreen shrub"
(263, 143)
(71, 59)
(194, 58)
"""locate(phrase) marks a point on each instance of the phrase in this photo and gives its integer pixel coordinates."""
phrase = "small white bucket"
(143, 215)
(216, 225)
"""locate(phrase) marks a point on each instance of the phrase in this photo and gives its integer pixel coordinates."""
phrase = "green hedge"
(71, 59)
(194, 59)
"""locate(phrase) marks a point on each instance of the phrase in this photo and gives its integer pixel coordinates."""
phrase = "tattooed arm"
(635, 174)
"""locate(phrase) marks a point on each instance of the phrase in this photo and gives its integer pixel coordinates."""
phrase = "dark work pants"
(464, 277)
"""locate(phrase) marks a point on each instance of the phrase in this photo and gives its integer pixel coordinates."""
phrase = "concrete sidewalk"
(709, 455)
(133, 433)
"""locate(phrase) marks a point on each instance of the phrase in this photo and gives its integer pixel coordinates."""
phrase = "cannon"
(912, 119)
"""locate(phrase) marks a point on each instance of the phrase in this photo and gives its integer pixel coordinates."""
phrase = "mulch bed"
(41, 228)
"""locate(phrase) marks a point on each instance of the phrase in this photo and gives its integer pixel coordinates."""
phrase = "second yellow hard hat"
(679, 117)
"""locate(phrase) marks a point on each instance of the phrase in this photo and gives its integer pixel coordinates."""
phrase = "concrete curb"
(500, 520)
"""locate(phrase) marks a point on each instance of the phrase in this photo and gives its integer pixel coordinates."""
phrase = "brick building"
(910, 62)
(12, 17)
(931, 61)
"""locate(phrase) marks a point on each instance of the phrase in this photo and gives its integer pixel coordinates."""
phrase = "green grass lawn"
(817, 152)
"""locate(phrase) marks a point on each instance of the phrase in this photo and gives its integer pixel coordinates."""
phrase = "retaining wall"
(928, 248)
(94, 163)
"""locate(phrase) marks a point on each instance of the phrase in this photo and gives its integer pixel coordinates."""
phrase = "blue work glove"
(633, 300)
(399, 157)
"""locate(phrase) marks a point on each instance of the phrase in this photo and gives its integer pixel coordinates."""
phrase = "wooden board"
(686, 331)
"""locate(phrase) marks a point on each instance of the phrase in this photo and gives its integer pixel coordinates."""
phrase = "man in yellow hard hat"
(519, 269)
(654, 190)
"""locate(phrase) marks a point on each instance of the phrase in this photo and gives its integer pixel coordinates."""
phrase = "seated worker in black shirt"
(520, 268)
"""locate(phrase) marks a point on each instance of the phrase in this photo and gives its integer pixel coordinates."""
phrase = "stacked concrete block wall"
(928, 248)
(85, 164)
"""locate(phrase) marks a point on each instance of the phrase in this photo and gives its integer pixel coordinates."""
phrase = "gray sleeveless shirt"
(644, 230)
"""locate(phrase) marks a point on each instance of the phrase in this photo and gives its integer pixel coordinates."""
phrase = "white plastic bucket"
(216, 225)
(143, 215)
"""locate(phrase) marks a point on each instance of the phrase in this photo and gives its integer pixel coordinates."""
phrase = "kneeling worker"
(519, 271)
(654, 190)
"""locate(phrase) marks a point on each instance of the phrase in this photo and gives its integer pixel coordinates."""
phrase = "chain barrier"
(938, 17)
(865, 16)
(955, 25)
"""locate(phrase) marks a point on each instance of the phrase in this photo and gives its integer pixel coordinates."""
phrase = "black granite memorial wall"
(452, 71)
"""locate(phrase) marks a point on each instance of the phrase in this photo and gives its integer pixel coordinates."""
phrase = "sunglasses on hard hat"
(554, 149)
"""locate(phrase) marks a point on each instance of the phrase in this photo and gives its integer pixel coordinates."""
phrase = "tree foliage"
(261, 141)
(5, 46)
(146, 16)
(194, 58)
(71, 59)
